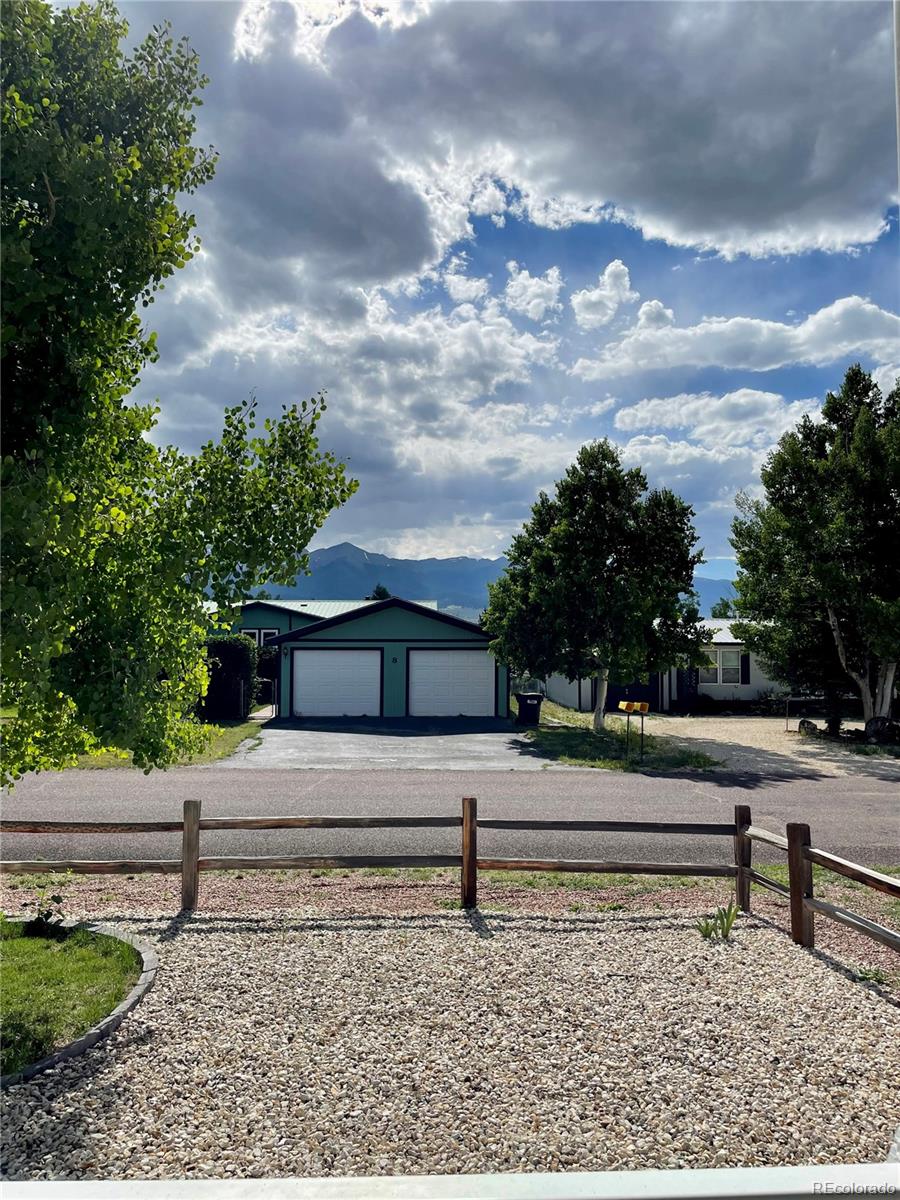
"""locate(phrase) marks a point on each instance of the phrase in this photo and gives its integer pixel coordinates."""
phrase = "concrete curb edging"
(146, 979)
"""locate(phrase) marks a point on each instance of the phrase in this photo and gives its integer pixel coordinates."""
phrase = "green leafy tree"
(723, 609)
(379, 592)
(115, 551)
(599, 582)
(819, 573)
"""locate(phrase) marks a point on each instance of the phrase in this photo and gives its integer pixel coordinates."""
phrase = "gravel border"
(146, 979)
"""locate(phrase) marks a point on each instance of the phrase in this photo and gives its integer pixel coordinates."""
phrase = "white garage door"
(451, 683)
(337, 683)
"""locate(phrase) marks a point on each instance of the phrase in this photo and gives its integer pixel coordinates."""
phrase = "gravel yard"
(325, 1039)
(762, 745)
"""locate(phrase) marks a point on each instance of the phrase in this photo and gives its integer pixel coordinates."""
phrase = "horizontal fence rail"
(801, 856)
(701, 827)
(588, 866)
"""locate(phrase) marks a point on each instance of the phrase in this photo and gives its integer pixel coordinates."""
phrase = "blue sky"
(495, 231)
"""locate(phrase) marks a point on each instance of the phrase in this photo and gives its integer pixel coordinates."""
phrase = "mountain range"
(459, 585)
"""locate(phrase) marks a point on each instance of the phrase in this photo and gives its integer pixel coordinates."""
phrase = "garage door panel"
(337, 683)
(451, 683)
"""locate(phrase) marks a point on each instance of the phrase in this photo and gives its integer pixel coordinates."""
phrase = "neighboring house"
(388, 658)
(733, 674)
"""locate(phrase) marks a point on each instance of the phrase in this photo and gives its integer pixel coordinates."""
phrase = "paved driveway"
(455, 744)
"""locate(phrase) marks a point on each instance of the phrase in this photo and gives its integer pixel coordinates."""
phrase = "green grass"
(566, 736)
(54, 990)
(225, 738)
(871, 751)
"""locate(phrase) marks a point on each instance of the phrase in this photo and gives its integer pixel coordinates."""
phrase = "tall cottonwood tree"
(112, 548)
(600, 581)
(819, 571)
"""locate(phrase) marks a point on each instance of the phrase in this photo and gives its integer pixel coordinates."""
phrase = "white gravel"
(762, 744)
(286, 1044)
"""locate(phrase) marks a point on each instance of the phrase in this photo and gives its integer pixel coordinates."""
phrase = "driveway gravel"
(761, 745)
(306, 1043)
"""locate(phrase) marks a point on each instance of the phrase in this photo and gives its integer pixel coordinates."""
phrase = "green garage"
(389, 658)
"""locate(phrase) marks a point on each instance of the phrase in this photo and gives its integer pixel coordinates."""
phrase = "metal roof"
(323, 609)
(721, 632)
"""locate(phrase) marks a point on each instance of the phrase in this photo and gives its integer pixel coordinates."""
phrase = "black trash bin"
(529, 708)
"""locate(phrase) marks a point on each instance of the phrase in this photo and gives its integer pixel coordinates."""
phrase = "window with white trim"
(724, 666)
(259, 636)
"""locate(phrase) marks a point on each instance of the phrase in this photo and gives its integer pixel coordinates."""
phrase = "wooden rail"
(701, 827)
(801, 856)
(593, 866)
(804, 906)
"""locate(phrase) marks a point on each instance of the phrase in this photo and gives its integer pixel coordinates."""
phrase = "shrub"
(232, 682)
(266, 674)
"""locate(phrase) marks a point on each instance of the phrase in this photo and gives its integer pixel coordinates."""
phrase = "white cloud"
(850, 326)
(464, 288)
(597, 306)
(886, 377)
(654, 315)
(741, 418)
(533, 295)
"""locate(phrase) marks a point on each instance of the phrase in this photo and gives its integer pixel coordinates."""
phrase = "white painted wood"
(451, 683)
(337, 683)
(724, 1183)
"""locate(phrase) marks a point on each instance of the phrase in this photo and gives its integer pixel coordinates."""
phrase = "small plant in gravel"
(47, 915)
(871, 974)
(718, 927)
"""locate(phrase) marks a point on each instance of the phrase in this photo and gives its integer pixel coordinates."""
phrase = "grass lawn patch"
(886, 751)
(566, 736)
(55, 988)
(225, 738)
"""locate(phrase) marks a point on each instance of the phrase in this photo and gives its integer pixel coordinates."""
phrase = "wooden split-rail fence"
(801, 855)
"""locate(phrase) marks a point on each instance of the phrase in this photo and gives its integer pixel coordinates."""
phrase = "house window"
(724, 666)
(259, 636)
(729, 666)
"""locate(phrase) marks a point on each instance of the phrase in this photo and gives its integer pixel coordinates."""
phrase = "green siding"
(395, 631)
(398, 623)
(259, 616)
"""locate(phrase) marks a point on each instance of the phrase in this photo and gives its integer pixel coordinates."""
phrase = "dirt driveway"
(762, 745)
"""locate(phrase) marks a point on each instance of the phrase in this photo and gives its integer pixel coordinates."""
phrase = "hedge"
(232, 680)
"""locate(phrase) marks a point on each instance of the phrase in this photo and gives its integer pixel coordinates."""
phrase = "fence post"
(743, 856)
(190, 853)
(469, 879)
(801, 881)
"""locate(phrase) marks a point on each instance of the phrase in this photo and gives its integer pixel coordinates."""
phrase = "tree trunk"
(860, 678)
(602, 688)
(832, 711)
(884, 689)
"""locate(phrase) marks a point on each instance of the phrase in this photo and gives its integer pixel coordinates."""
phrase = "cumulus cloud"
(598, 305)
(560, 116)
(850, 326)
(363, 146)
(745, 417)
(464, 288)
(533, 295)
(653, 314)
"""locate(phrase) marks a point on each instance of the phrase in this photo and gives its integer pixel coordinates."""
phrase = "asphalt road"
(857, 817)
